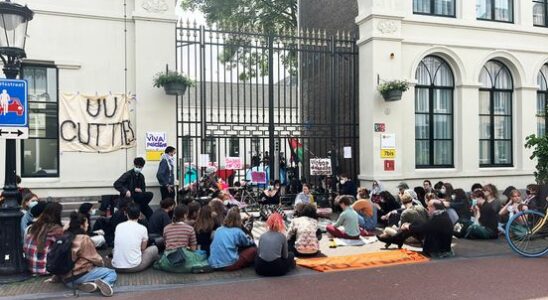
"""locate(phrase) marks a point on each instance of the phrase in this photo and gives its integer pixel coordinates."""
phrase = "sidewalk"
(35, 288)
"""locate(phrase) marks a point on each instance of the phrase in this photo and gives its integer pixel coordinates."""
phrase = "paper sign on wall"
(233, 163)
(156, 141)
(320, 166)
(347, 152)
(388, 141)
(388, 153)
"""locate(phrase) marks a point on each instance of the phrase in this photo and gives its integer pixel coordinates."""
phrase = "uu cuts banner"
(95, 123)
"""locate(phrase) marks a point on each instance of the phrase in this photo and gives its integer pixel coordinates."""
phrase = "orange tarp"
(362, 261)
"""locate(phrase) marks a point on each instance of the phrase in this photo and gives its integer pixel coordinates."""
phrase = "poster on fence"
(320, 166)
(156, 143)
(233, 163)
(258, 177)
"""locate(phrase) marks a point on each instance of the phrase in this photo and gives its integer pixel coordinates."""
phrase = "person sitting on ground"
(387, 204)
(347, 186)
(96, 237)
(179, 234)
(513, 206)
(376, 189)
(130, 253)
(421, 193)
(446, 191)
(271, 195)
(460, 203)
(33, 212)
(193, 209)
(485, 218)
(28, 198)
(231, 248)
(437, 231)
(273, 258)
(132, 185)
(305, 196)
(347, 219)
(427, 186)
(531, 200)
(367, 211)
(303, 234)
(88, 273)
(204, 228)
(41, 236)
(219, 211)
(492, 195)
(161, 217)
(413, 213)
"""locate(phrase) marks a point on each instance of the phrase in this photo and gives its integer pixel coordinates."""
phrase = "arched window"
(434, 114)
(542, 98)
(495, 115)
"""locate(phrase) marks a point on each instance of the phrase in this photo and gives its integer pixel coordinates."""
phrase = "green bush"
(540, 152)
(400, 85)
(164, 78)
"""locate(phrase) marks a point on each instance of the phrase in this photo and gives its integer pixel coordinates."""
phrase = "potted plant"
(539, 144)
(392, 90)
(173, 82)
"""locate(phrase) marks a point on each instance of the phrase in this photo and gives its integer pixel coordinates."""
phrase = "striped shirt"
(179, 235)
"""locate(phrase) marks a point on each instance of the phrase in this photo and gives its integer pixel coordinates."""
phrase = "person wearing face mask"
(347, 186)
(165, 173)
(132, 185)
(485, 218)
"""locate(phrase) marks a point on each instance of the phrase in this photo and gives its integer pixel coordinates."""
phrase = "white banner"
(95, 123)
(320, 166)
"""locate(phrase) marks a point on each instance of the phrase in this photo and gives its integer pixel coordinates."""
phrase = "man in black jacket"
(132, 185)
(165, 173)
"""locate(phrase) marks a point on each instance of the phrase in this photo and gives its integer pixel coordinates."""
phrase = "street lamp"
(13, 33)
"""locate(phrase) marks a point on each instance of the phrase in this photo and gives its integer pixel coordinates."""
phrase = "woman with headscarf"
(376, 189)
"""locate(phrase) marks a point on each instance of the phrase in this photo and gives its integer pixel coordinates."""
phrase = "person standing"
(132, 185)
(165, 173)
(347, 186)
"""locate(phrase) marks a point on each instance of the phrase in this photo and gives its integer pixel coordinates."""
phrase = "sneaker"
(105, 288)
(87, 287)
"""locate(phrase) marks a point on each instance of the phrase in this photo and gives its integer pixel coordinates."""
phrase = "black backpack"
(59, 260)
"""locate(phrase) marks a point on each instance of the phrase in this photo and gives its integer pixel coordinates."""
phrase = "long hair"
(218, 209)
(76, 222)
(276, 223)
(50, 217)
(233, 218)
(205, 222)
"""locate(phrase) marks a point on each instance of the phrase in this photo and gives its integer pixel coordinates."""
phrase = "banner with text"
(95, 123)
(320, 166)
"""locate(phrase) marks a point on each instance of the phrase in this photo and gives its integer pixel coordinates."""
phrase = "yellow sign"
(388, 153)
(154, 155)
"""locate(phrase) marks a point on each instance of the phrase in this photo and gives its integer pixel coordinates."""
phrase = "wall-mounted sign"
(380, 127)
(388, 153)
(389, 165)
(348, 152)
(388, 141)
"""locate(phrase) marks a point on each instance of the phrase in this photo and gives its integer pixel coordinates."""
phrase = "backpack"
(59, 259)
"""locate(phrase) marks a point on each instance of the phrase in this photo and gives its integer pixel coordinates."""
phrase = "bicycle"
(247, 195)
(527, 233)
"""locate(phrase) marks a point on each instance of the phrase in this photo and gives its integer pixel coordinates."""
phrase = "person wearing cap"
(132, 185)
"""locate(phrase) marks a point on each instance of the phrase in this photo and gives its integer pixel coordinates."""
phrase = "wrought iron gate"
(268, 99)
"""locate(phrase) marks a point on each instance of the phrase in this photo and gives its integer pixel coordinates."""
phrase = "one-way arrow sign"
(14, 133)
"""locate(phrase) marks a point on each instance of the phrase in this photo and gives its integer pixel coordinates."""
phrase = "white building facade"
(478, 72)
(98, 47)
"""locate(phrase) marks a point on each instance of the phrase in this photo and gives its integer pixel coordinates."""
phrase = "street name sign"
(14, 122)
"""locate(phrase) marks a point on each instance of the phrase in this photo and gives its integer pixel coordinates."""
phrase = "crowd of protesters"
(216, 235)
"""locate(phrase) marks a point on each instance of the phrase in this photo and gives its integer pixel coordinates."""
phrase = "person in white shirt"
(130, 252)
(305, 196)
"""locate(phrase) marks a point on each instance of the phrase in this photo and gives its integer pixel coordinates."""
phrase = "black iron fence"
(274, 100)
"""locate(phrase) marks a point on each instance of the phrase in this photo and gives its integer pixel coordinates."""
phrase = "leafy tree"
(241, 16)
(540, 152)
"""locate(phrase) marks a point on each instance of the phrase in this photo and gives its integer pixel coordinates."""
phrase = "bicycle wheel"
(527, 233)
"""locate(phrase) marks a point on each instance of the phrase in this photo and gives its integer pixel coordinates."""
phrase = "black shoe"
(385, 240)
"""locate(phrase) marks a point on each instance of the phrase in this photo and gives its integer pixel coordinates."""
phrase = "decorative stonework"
(387, 27)
(155, 6)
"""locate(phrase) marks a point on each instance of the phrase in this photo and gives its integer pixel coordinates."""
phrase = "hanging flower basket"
(174, 83)
(393, 90)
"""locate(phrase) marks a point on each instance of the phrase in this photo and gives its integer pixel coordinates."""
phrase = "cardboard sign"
(233, 163)
(320, 166)
(258, 177)
(388, 153)
(389, 165)
(380, 127)
(388, 141)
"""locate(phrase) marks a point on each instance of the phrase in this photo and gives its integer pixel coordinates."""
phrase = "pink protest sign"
(233, 163)
(258, 177)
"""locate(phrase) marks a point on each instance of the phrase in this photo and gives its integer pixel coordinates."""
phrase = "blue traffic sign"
(13, 103)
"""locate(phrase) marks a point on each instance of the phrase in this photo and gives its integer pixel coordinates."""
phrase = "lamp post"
(13, 33)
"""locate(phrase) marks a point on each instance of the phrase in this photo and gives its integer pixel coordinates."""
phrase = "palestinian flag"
(296, 150)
